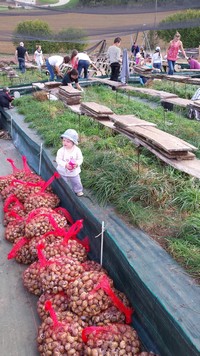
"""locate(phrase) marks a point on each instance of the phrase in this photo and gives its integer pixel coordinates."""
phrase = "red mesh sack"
(83, 300)
(12, 204)
(59, 273)
(91, 266)
(112, 340)
(66, 247)
(32, 275)
(42, 220)
(59, 302)
(16, 173)
(112, 315)
(21, 252)
(42, 198)
(96, 291)
(15, 228)
(65, 213)
(21, 189)
(63, 337)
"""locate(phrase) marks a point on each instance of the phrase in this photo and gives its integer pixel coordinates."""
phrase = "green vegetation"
(66, 39)
(190, 35)
(150, 195)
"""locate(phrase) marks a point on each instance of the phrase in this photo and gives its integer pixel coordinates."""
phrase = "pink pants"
(74, 182)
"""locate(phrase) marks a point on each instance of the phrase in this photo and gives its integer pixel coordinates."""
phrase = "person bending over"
(71, 77)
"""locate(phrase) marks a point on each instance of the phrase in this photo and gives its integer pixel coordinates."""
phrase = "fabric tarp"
(165, 298)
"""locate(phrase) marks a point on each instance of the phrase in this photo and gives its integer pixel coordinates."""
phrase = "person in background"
(194, 64)
(71, 77)
(38, 57)
(148, 64)
(114, 56)
(157, 58)
(138, 58)
(21, 55)
(53, 64)
(172, 52)
(142, 52)
(135, 49)
(69, 159)
(81, 61)
(6, 99)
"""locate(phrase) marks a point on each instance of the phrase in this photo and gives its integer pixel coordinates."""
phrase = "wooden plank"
(177, 78)
(177, 101)
(161, 139)
(129, 121)
(152, 92)
(194, 81)
(96, 108)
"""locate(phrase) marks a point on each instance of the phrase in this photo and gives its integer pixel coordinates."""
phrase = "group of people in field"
(79, 62)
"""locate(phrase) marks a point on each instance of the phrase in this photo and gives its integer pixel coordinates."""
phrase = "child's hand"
(71, 165)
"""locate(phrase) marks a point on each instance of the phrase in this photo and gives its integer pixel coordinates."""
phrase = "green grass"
(154, 197)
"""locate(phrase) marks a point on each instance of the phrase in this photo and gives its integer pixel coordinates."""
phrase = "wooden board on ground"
(194, 81)
(151, 92)
(177, 101)
(161, 139)
(49, 85)
(95, 110)
(108, 82)
(129, 121)
(177, 78)
(69, 91)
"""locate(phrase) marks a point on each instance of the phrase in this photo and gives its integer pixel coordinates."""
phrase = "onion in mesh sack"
(81, 301)
(66, 247)
(31, 278)
(16, 173)
(112, 314)
(92, 266)
(40, 222)
(59, 303)
(12, 204)
(58, 274)
(15, 229)
(93, 293)
(112, 340)
(21, 251)
(41, 198)
(60, 337)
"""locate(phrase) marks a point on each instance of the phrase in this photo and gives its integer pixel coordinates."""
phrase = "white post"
(102, 240)
(40, 160)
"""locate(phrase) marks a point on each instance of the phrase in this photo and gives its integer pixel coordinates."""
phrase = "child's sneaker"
(79, 194)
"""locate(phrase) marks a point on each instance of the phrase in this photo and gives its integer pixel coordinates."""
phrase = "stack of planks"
(146, 134)
(95, 110)
(70, 95)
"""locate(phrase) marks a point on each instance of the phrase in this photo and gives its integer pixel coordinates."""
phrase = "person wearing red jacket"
(6, 99)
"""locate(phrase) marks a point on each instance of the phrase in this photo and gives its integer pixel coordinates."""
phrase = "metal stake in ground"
(102, 241)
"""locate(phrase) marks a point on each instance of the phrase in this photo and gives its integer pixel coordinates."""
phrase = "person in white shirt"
(157, 58)
(84, 62)
(53, 64)
(38, 57)
(69, 159)
(114, 56)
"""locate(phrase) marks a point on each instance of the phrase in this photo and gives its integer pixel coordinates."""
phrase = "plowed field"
(89, 22)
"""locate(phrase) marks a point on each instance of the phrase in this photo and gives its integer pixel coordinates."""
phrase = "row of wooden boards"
(167, 144)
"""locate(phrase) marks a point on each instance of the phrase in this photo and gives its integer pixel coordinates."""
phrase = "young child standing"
(69, 159)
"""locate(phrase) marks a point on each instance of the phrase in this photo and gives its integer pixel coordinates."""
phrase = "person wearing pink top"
(194, 64)
(172, 52)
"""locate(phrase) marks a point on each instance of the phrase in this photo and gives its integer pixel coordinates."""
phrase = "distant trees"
(38, 32)
(189, 35)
